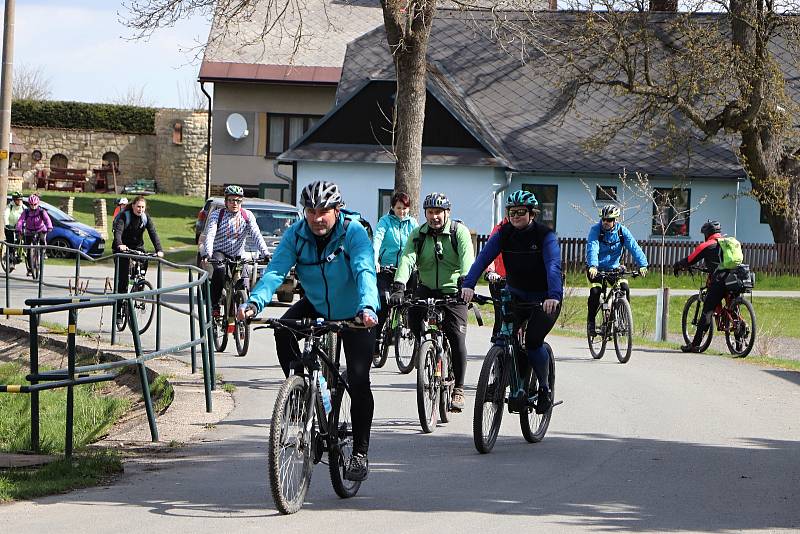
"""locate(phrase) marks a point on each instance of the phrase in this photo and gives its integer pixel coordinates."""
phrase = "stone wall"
(84, 149)
(181, 156)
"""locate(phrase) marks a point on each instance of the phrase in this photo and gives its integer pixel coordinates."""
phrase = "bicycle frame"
(513, 342)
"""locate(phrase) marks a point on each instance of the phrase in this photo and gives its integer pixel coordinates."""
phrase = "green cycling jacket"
(437, 271)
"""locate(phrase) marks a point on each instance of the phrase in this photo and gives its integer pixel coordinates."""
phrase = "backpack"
(127, 216)
(243, 211)
(418, 242)
(730, 253)
(602, 236)
(350, 215)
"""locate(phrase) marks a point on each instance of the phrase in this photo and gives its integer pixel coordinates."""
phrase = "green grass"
(84, 470)
(685, 281)
(94, 414)
(161, 393)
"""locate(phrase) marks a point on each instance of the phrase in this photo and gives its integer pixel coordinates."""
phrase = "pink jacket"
(34, 221)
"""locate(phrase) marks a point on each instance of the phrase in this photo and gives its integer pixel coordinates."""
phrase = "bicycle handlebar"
(229, 261)
(308, 323)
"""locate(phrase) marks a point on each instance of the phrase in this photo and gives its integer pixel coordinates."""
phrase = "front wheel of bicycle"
(219, 328)
(740, 335)
(404, 345)
(597, 339)
(427, 386)
(690, 318)
(382, 350)
(489, 397)
(340, 445)
(144, 307)
(121, 320)
(241, 329)
(534, 425)
(623, 330)
(290, 453)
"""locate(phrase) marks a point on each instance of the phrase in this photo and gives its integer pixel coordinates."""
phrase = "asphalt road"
(667, 442)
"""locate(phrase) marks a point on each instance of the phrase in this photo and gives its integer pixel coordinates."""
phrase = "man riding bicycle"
(227, 231)
(13, 213)
(709, 252)
(604, 248)
(441, 250)
(33, 225)
(334, 262)
(532, 260)
(391, 235)
(129, 228)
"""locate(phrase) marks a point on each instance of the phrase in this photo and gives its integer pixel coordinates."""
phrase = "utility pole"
(5, 101)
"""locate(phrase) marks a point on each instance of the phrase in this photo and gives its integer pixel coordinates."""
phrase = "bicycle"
(9, 263)
(739, 327)
(616, 318)
(434, 362)
(501, 370)
(234, 294)
(396, 331)
(144, 307)
(34, 256)
(303, 426)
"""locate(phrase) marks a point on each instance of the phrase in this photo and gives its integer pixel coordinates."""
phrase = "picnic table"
(66, 180)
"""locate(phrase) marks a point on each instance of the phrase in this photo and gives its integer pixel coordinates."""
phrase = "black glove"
(460, 282)
(398, 293)
(678, 267)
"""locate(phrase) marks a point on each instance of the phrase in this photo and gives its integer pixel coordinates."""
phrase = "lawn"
(686, 281)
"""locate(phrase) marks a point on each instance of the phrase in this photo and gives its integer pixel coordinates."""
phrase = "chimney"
(670, 6)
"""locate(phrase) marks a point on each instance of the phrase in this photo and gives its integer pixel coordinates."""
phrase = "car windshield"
(272, 222)
(56, 213)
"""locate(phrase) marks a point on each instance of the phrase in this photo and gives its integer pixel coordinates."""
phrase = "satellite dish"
(237, 126)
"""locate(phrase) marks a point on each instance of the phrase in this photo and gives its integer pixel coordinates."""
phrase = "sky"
(88, 56)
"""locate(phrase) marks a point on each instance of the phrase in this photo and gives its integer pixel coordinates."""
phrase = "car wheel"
(60, 242)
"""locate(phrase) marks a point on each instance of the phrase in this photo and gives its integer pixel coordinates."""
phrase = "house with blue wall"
(494, 124)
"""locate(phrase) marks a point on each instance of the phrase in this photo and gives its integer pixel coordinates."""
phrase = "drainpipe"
(208, 142)
(736, 211)
(497, 194)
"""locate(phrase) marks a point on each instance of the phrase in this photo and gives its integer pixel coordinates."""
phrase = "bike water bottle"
(326, 394)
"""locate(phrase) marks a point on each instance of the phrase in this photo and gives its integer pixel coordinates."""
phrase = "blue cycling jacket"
(390, 237)
(339, 282)
(605, 254)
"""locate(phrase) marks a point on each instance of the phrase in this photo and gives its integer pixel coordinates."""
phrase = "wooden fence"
(779, 258)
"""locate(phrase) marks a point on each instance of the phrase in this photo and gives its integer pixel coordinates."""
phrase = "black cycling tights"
(539, 325)
(358, 346)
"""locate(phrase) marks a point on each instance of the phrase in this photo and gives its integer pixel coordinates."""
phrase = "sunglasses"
(609, 220)
(234, 200)
(519, 212)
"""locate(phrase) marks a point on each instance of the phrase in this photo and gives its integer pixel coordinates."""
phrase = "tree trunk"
(408, 29)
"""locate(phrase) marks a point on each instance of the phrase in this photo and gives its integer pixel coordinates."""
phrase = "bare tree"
(133, 96)
(692, 74)
(190, 97)
(31, 83)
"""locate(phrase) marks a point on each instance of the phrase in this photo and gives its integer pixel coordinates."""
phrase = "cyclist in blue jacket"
(334, 262)
(604, 248)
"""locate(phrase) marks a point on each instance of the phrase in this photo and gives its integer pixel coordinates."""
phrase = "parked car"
(272, 218)
(67, 232)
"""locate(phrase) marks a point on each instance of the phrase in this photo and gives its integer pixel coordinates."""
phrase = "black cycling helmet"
(710, 227)
(321, 195)
(436, 200)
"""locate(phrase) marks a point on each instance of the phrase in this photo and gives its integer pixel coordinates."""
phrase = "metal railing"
(198, 286)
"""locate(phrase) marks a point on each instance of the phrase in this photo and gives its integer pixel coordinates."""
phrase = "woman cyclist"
(33, 225)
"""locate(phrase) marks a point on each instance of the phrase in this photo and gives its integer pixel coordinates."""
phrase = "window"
(283, 130)
(111, 161)
(384, 201)
(606, 193)
(547, 195)
(671, 211)
(177, 133)
(59, 161)
(279, 192)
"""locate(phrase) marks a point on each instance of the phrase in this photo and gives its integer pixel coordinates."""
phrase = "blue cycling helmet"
(436, 200)
(522, 198)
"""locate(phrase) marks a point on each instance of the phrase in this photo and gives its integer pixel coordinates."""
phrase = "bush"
(83, 116)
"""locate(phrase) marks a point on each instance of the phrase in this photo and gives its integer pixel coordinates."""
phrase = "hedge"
(83, 116)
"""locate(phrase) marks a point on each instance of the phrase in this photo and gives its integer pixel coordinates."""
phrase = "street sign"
(3, 154)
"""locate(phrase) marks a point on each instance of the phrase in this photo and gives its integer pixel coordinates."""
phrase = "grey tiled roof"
(376, 154)
(327, 27)
(514, 108)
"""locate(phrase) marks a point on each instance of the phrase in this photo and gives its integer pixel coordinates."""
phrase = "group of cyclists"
(346, 276)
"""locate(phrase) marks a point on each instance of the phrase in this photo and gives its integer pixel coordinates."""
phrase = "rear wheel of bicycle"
(241, 329)
(534, 425)
(404, 345)
(219, 326)
(690, 318)
(623, 330)
(740, 335)
(446, 393)
(382, 349)
(597, 342)
(145, 307)
(489, 397)
(290, 452)
(7, 262)
(340, 446)
(121, 320)
(427, 386)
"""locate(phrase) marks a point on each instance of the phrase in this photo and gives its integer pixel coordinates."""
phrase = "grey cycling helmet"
(436, 200)
(321, 195)
(234, 191)
(522, 198)
(710, 227)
